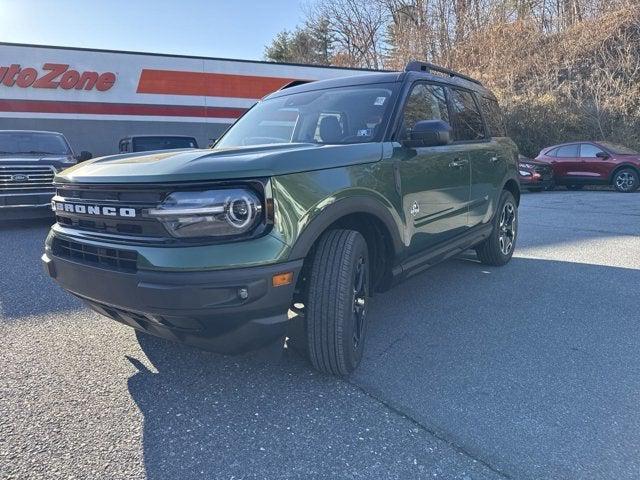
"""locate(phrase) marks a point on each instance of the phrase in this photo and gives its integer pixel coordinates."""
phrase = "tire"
(575, 188)
(498, 249)
(625, 180)
(336, 305)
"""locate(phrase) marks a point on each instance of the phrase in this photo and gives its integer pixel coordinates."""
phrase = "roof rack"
(295, 83)
(417, 66)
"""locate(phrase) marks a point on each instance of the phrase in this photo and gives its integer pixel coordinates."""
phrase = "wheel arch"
(620, 167)
(513, 186)
(369, 217)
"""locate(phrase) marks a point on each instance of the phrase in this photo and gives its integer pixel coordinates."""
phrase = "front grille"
(110, 258)
(16, 179)
(112, 196)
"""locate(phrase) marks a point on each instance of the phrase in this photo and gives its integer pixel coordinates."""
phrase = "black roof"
(386, 77)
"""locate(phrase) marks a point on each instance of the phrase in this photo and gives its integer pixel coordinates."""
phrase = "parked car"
(533, 175)
(578, 164)
(28, 163)
(319, 196)
(146, 143)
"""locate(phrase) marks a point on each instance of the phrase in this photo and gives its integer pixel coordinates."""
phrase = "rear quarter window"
(493, 116)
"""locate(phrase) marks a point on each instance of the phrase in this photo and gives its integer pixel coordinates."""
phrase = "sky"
(213, 28)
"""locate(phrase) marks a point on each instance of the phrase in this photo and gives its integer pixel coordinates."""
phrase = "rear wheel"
(626, 180)
(498, 249)
(337, 301)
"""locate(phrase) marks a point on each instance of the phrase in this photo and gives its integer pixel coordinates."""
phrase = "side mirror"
(84, 156)
(429, 133)
(602, 155)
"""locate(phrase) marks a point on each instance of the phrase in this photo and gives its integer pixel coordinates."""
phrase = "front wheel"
(337, 302)
(498, 249)
(626, 180)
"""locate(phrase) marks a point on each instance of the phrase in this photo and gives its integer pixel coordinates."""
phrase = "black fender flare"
(622, 165)
(342, 208)
(514, 181)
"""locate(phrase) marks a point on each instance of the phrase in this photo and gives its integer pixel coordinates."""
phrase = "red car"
(578, 164)
(534, 176)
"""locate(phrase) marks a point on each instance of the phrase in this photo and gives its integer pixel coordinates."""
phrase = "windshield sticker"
(380, 101)
(365, 132)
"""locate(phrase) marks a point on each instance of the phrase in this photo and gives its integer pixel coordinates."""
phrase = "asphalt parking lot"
(527, 371)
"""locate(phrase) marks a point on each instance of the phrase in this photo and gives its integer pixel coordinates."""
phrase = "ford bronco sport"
(320, 195)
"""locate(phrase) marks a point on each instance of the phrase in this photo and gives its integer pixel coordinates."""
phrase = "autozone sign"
(54, 76)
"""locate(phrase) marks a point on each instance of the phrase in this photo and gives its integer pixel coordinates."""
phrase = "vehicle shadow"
(266, 415)
(507, 364)
(25, 290)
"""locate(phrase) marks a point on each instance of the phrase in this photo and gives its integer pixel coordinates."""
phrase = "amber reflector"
(282, 279)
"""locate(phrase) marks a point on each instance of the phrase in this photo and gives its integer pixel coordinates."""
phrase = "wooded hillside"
(563, 69)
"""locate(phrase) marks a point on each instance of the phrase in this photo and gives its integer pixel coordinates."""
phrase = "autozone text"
(55, 75)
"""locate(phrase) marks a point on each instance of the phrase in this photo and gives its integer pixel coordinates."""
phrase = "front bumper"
(227, 311)
(25, 205)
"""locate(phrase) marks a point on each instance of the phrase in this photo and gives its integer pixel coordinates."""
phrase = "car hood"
(57, 161)
(219, 164)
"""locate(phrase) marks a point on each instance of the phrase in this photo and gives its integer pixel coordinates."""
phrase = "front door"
(435, 181)
(594, 167)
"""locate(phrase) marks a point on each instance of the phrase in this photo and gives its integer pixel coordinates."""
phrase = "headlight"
(524, 173)
(212, 213)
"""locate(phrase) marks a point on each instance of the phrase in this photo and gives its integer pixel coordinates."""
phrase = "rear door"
(434, 180)
(487, 156)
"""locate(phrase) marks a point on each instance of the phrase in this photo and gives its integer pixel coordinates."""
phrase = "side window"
(493, 117)
(552, 153)
(467, 121)
(589, 150)
(568, 151)
(425, 102)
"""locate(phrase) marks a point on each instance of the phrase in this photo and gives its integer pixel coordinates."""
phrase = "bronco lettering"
(93, 210)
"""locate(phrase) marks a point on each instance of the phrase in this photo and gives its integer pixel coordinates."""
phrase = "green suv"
(320, 195)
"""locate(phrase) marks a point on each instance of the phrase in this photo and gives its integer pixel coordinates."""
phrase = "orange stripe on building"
(171, 82)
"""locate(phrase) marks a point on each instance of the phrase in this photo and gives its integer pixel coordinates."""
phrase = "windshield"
(33, 143)
(143, 144)
(618, 149)
(354, 114)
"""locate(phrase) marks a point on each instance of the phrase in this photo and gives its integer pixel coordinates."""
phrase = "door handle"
(457, 163)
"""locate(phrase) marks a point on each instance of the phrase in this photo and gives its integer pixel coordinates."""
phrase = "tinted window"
(144, 144)
(493, 117)
(588, 150)
(33, 143)
(568, 151)
(331, 116)
(425, 102)
(552, 153)
(467, 122)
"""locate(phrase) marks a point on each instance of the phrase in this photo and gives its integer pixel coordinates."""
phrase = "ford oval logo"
(20, 178)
